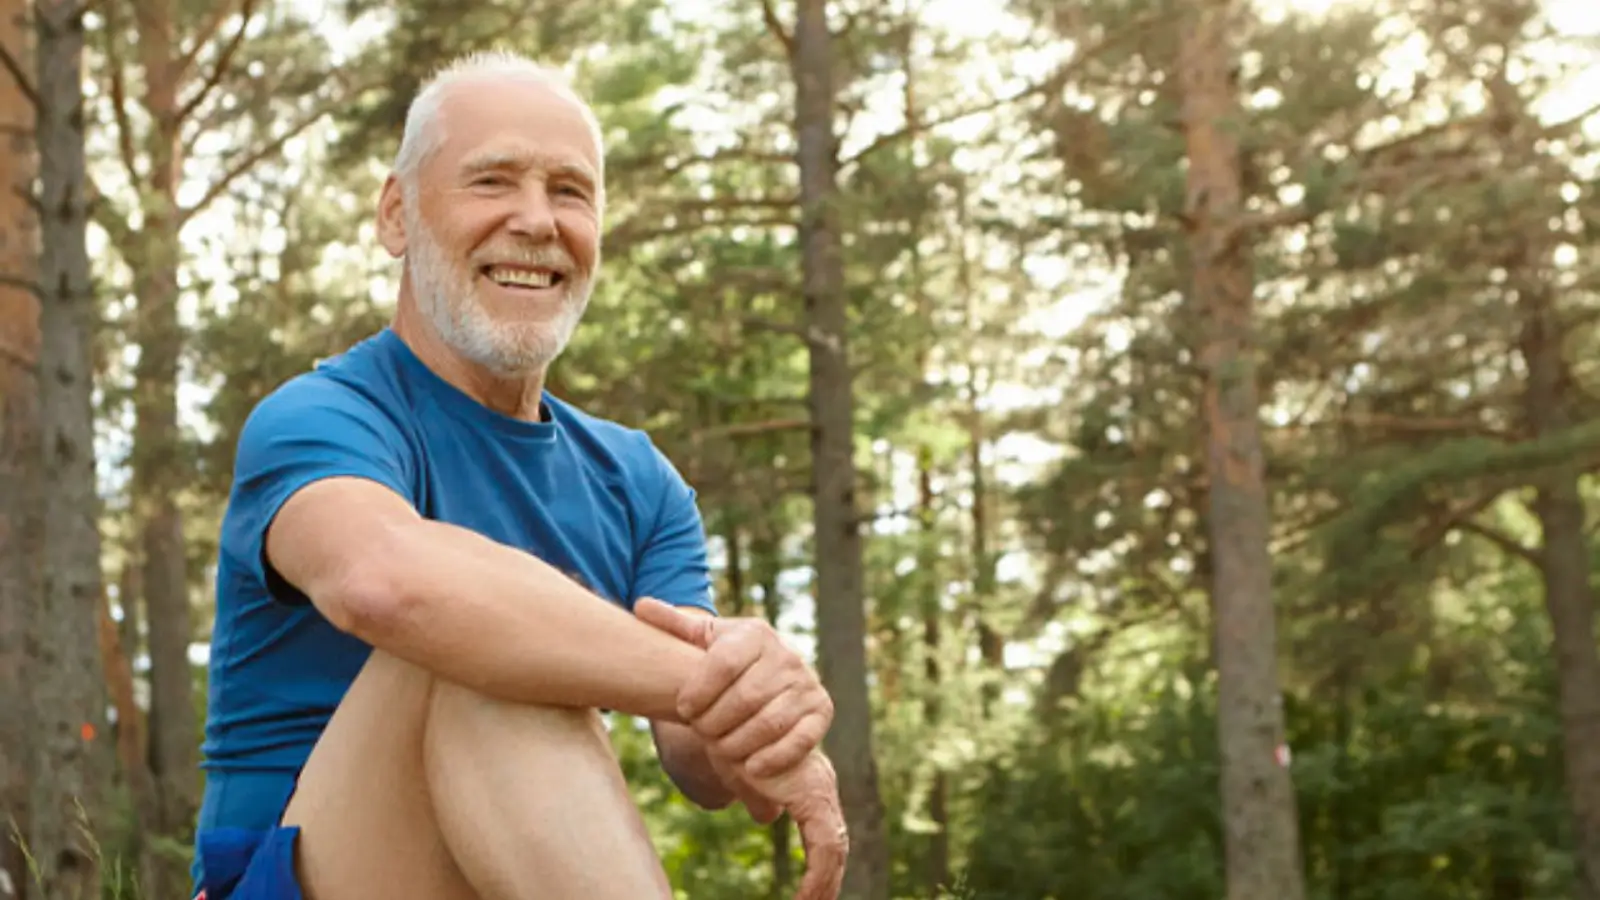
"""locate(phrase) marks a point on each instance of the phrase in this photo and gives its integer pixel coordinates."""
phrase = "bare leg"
(422, 789)
(540, 810)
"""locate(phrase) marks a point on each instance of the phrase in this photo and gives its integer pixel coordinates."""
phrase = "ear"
(391, 217)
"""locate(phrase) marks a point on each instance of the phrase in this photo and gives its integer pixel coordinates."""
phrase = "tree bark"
(66, 681)
(991, 644)
(781, 832)
(937, 873)
(130, 729)
(159, 465)
(840, 599)
(1564, 566)
(19, 437)
(1259, 814)
(733, 537)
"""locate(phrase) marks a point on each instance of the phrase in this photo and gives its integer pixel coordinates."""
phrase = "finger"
(762, 810)
(732, 653)
(790, 750)
(827, 846)
(765, 728)
(696, 630)
(777, 670)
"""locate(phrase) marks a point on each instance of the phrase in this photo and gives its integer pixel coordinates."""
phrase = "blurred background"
(1203, 511)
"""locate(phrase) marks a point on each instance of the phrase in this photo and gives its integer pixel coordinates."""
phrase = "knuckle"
(722, 661)
(774, 725)
(750, 694)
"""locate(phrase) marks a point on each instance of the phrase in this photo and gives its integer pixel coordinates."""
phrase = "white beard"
(447, 294)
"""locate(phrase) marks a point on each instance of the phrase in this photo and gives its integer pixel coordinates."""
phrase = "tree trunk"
(19, 447)
(159, 465)
(991, 644)
(780, 832)
(734, 538)
(936, 871)
(1259, 817)
(130, 728)
(67, 684)
(840, 600)
(1569, 599)
(938, 861)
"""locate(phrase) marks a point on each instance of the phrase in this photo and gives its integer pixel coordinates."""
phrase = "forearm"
(509, 625)
(683, 757)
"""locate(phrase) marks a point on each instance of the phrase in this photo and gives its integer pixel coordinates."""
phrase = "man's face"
(503, 233)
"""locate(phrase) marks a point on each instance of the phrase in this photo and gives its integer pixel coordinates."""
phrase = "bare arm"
(470, 610)
(683, 757)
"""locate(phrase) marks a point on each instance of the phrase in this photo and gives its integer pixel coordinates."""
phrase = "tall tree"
(65, 679)
(1260, 821)
(1552, 402)
(173, 79)
(19, 475)
(840, 599)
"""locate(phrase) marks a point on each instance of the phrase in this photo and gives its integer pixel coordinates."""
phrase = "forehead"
(510, 121)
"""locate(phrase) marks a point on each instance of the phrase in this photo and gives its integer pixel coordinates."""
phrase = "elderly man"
(434, 574)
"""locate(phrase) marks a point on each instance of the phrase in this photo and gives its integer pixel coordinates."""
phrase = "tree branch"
(203, 36)
(1421, 424)
(770, 17)
(752, 429)
(119, 95)
(17, 75)
(626, 234)
(114, 224)
(1505, 542)
(1057, 79)
(758, 323)
(731, 154)
(224, 59)
(25, 284)
(251, 160)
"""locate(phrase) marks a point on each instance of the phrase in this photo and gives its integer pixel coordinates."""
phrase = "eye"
(490, 181)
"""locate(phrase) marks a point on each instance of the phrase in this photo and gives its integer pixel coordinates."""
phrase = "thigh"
(368, 831)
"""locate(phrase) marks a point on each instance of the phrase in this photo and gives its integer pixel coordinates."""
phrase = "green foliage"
(1017, 280)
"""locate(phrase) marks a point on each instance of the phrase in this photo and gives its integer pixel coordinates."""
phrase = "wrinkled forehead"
(521, 122)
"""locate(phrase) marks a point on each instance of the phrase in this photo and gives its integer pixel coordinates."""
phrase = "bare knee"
(564, 823)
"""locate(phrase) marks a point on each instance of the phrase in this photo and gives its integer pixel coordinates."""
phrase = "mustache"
(549, 256)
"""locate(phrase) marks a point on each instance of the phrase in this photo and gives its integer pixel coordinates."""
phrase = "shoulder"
(314, 401)
(343, 408)
(353, 387)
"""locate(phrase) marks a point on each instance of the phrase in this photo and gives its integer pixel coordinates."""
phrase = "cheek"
(582, 237)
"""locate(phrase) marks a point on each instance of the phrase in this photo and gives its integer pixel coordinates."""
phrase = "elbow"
(369, 599)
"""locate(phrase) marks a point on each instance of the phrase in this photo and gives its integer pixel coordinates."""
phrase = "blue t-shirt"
(590, 497)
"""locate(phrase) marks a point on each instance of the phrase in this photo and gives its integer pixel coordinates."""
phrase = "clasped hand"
(762, 713)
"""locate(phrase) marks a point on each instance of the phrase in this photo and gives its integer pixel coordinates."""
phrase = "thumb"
(689, 629)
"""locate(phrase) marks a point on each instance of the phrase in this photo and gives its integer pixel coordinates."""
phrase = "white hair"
(424, 132)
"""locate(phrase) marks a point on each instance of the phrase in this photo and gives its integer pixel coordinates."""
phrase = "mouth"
(520, 278)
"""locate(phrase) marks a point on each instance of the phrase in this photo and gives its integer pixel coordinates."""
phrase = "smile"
(517, 277)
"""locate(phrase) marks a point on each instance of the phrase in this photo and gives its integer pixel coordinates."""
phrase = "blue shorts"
(241, 864)
(241, 853)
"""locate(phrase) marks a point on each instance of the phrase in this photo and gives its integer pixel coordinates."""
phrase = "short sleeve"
(671, 565)
(309, 429)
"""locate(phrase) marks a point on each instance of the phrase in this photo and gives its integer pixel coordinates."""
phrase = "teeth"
(521, 277)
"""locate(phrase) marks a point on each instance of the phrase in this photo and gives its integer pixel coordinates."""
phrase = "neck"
(517, 396)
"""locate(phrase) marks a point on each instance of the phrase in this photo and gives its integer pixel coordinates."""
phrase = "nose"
(534, 217)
